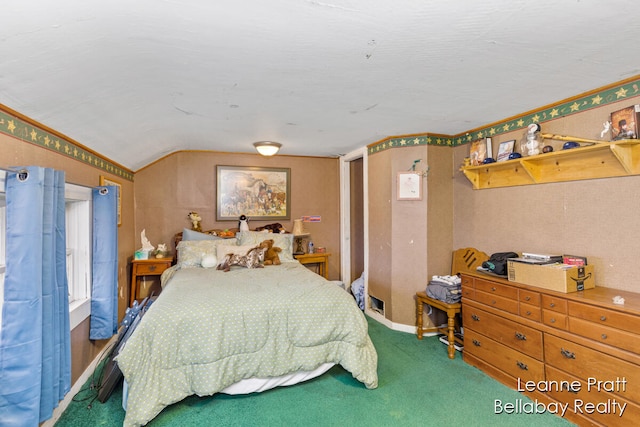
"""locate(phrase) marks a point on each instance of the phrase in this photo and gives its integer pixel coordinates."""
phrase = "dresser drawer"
(605, 335)
(578, 397)
(554, 319)
(530, 312)
(508, 360)
(496, 289)
(592, 365)
(496, 301)
(606, 317)
(553, 303)
(507, 332)
(466, 281)
(468, 291)
(529, 297)
(151, 268)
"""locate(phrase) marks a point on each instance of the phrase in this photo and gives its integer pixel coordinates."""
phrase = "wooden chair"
(465, 259)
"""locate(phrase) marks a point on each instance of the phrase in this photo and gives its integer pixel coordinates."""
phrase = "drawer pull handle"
(475, 317)
(527, 298)
(152, 268)
(570, 389)
(603, 318)
(493, 302)
(476, 343)
(528, 313)
(493, 288)
(522, 366)
(568, 354)
(553, 320)
(604, 336)
(520, 336)
(553, 304)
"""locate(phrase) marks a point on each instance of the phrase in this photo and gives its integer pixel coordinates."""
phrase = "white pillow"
(282, 240)
(191, 252)
(209, 261)
(224, 250)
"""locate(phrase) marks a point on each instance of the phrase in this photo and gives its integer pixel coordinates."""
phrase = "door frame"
(345, 221)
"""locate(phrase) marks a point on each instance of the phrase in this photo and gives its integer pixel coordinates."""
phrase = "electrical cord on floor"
(95, 385)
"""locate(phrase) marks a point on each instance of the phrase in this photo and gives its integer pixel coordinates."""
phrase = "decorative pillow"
(282, 240)
(209, 261)
(191, 252)
(233, 249)
(188, 234)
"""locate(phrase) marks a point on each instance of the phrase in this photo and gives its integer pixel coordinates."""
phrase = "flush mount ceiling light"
(267, 148)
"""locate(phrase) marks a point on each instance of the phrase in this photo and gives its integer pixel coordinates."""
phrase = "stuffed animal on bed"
(271, 256)
(195, 221)
(253, 259)
(276, 227)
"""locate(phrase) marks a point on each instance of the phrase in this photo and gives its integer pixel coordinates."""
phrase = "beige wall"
(409, 241)
(18, 153)
(596, 218)
(170, 188)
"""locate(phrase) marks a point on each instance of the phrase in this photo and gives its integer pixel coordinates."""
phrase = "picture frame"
(409, 186)
(477, 152)
(104, 181)
(260, 193)
(624, 123)
(505, 149)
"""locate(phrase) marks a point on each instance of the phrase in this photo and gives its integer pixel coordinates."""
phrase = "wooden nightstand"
(321, 260)
(145, 267)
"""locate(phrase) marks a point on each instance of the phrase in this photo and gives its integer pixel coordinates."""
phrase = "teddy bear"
(271, 256)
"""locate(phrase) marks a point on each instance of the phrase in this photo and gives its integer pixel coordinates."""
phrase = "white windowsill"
(78, 311)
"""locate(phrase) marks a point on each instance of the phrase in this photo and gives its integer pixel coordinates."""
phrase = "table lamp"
(299, 234)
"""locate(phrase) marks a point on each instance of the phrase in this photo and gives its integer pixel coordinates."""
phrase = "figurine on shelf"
(531, 141)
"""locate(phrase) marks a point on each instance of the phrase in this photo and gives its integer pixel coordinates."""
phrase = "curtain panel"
(35, 345)
(104, 288)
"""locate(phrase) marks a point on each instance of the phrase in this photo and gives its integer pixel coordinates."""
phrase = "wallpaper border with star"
(28, 132)
(594, 99)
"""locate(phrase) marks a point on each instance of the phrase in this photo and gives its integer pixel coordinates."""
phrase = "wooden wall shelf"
(602, 160)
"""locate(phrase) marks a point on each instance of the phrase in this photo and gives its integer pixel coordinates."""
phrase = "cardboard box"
(556, 277)
(624, 123)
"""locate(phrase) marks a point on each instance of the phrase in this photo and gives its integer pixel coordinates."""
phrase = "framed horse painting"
(262, 194)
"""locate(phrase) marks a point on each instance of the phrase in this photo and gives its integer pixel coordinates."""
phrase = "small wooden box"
(556, 277)
(624, 123)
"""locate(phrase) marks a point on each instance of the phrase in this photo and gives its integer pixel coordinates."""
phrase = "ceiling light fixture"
(267, 148)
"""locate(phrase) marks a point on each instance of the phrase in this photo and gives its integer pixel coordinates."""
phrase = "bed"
(246, 330)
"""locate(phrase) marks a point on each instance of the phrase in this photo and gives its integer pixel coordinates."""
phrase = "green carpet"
(418, 386)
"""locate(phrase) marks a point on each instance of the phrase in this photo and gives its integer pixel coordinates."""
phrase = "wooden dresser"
(576, 349)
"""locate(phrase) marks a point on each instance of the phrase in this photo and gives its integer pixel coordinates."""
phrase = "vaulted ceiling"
(135, 80)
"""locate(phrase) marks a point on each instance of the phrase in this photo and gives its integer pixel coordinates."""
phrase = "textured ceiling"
(135, 80)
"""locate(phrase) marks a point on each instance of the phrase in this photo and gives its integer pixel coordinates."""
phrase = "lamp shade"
(267, 148)
(297, 228)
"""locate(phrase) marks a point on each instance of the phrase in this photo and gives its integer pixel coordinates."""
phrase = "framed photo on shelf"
(477, 152)
(505, 149)
(104, 181)
(624, 123)
(262, 194)
(409, 186)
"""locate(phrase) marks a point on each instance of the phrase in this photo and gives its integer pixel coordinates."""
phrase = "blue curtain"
(104, 291)
(35, 350)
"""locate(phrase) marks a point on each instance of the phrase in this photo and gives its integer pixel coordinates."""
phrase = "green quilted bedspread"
(209, 329)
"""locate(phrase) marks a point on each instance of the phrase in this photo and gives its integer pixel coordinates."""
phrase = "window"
(78, 224)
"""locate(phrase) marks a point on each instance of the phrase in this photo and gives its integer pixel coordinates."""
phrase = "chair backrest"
(467, 259)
